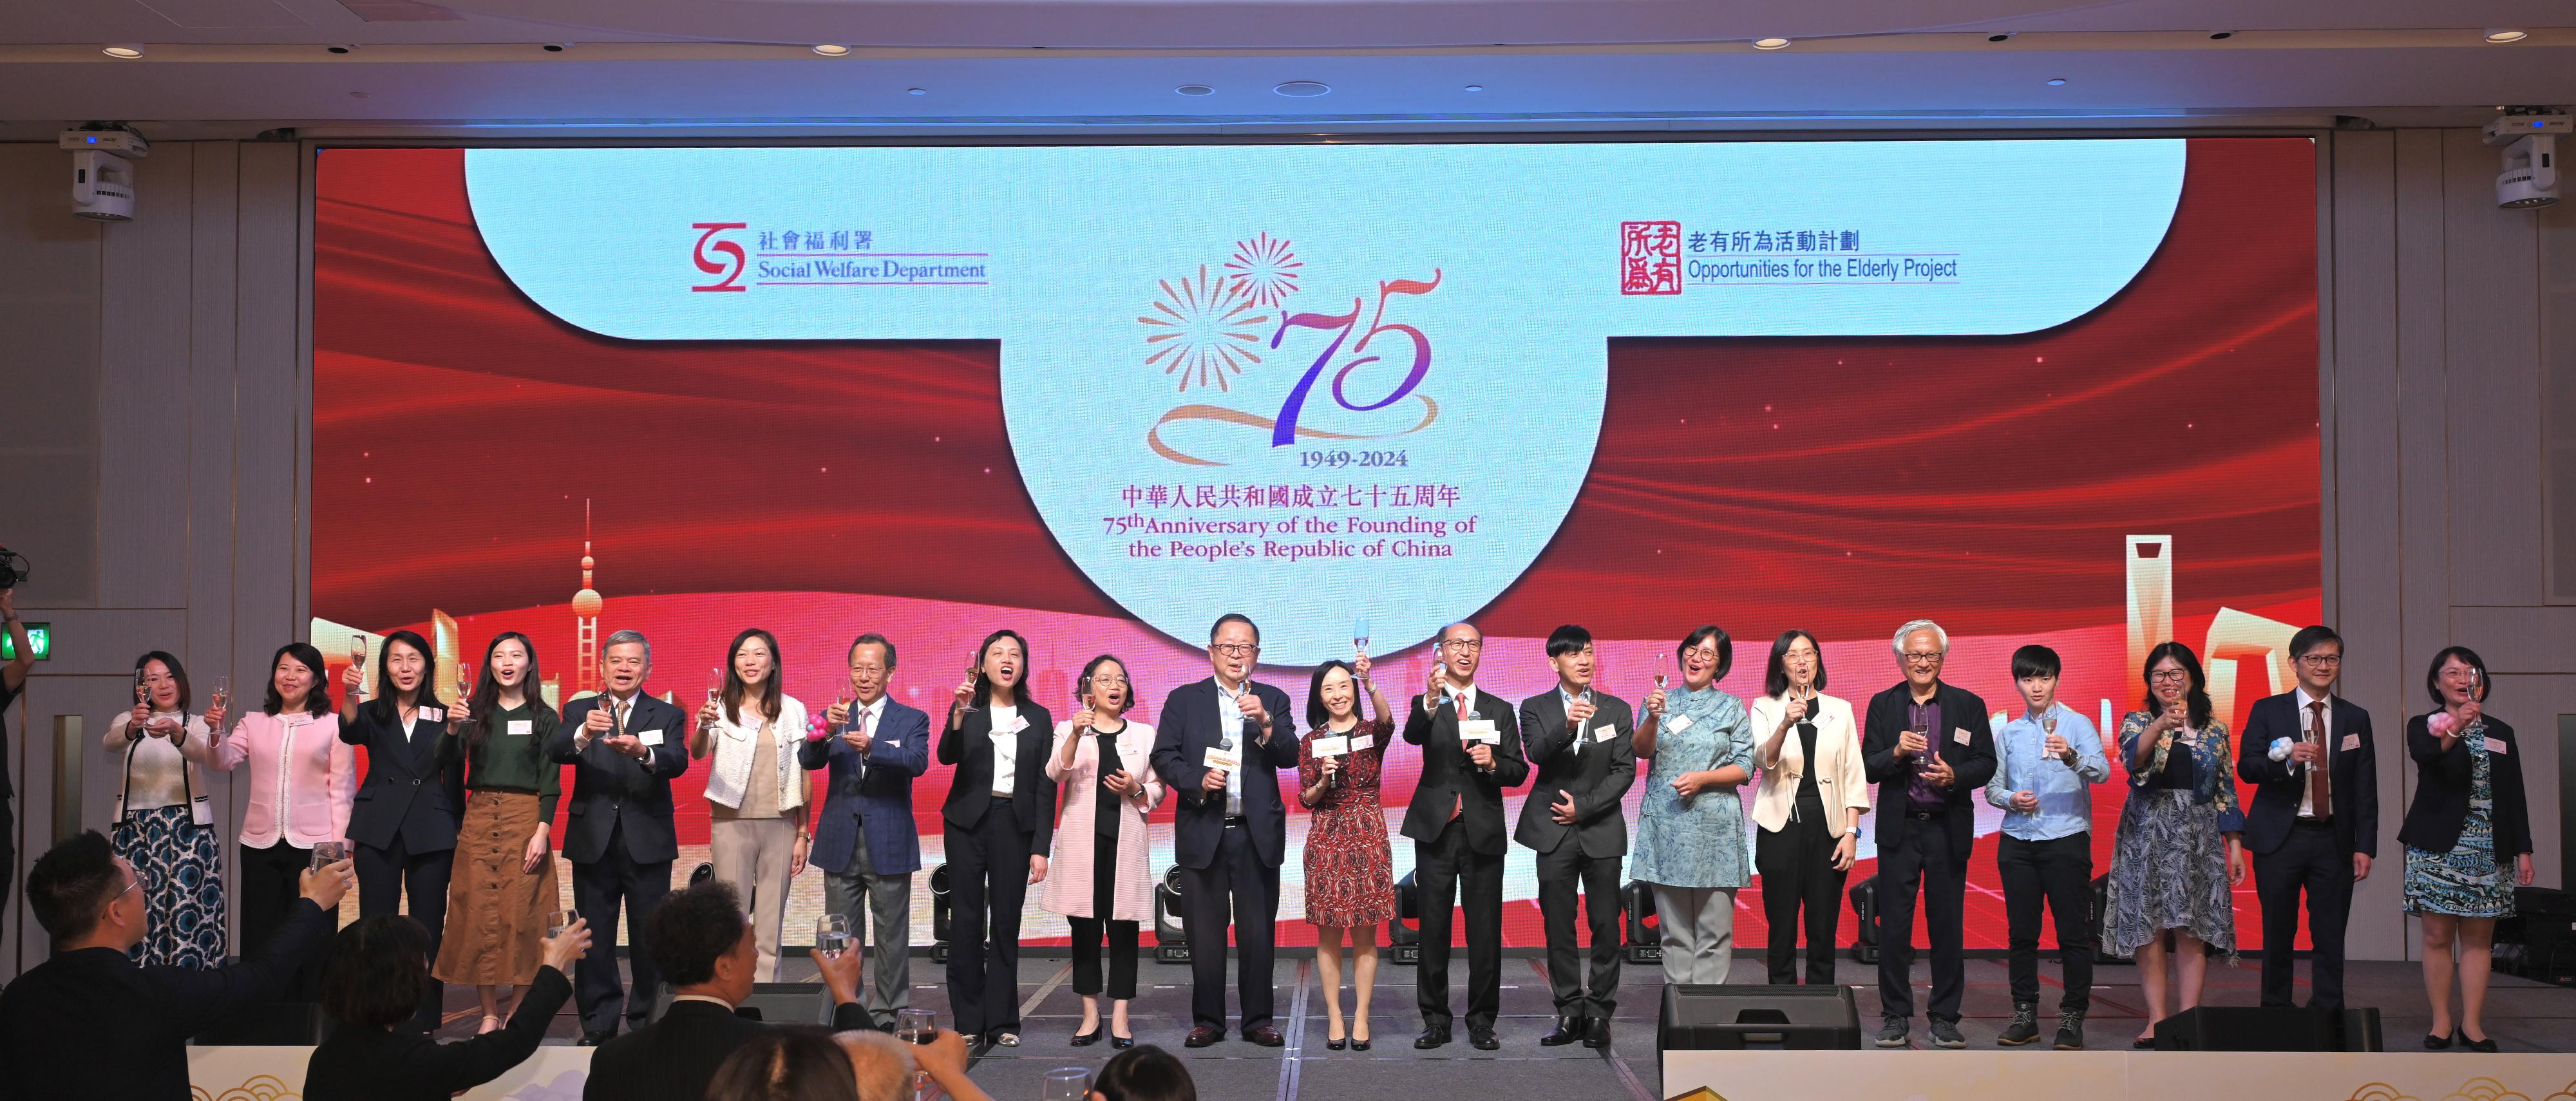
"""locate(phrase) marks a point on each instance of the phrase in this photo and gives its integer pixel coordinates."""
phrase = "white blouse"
(152, 772)
(1006, 748)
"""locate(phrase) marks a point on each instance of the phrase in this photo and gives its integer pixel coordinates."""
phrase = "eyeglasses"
(1463, 643)
(2169, 675)
(2322, 660)
(1923, 659)
(1235, 649)
(867, 669)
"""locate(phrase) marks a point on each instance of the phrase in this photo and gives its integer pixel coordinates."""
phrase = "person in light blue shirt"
(2046, 762)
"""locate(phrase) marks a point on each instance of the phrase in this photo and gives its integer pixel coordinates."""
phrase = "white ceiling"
(698, 67)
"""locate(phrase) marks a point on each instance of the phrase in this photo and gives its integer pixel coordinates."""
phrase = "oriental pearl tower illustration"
(585, 613)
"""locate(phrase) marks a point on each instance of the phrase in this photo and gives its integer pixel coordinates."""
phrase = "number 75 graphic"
(1284, 431)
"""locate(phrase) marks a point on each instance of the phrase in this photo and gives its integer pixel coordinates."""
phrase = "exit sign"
(40, 637)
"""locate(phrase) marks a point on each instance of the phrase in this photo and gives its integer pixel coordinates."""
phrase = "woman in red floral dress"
(1350, 875)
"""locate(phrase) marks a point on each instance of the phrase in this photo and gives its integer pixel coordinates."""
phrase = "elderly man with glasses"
(1927, 746)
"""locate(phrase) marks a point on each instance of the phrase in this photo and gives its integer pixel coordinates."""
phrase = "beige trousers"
(753, 854)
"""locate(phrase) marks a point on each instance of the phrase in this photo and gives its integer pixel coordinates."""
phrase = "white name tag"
(1219, 757)
(2352, 741)
(1362, 741)
(1018, 722)
(1959, 735)
(2496, 745)
(433, 714)
(1478, 730)
(523, 726)
(894, 743)
(650, 737)
(1604, 732)
(1332, 747)
(1678, 723)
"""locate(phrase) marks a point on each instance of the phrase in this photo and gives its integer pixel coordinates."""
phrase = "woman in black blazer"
(999, 817)
(404, 819)
(2467, 818)
(375, 977)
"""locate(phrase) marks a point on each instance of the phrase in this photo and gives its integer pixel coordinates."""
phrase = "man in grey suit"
(625, 748)
(1579, 740)
(867, 844)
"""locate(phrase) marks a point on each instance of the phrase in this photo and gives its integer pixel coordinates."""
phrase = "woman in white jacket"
(1100, 758)
(756, 792)
(1808, 806)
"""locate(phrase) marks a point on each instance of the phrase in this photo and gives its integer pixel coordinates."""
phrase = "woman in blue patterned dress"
(1690, 832)
(165, 823)
(2178, 855)
(2468, 815)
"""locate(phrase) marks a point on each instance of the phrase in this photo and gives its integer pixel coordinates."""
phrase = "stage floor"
(2524, 1016)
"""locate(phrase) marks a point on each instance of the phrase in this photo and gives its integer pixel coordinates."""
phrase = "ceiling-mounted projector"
(103, 170)
(2529, 136)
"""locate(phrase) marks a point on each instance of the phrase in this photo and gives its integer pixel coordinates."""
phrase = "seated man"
(705, 949)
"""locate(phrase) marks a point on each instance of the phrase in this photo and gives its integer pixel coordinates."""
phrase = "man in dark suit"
(1927, 745)
(625, 748)
(1221, 746)
(1572, 819)
(88, 1022)
(2313, 824)
(867, 844)
(1471, 751)
(704, 946)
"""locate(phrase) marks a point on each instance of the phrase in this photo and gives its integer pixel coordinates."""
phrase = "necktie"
(865, 724)
(2318, 768)
(1458, 800)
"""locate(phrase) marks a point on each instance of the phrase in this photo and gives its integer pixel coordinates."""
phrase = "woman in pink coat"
(303, 779)
(1108, 789)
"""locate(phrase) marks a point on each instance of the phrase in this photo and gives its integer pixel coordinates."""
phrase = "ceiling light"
(828, 49)
(1195, 90)
(2006, 36)
(2221, 36)
(124, 50)
(1475, 87)
(916, 91)
(339, 49)
(1303, 88)
(2506, 34)
(2057, 82)
(555, 47)
(1770, 43)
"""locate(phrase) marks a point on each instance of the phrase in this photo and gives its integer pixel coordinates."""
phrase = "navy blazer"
(2352, 776)
(880, 793)
(1974, 762)
(614, 794)
(1447, 771)
(970, 786)
(1189, 728)
(2441, 804)
(414, 788)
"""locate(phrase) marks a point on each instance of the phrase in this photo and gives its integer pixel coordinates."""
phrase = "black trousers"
(1559, 873)
(271, 884)
(1797, 868)
(2059, 873)
(1087, 931)
(2310, 860)
(1447, 872)
(8, 849)
(1236, 874)
(1921, 857)
(988, 879)
(385, 876)
(599, 889)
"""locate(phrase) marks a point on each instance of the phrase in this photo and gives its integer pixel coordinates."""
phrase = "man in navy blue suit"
(2313, 824)
(626, 747)
(867, 844)
(1221, 746)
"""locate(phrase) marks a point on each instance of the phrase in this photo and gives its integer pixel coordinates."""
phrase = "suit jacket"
(1190, 726)
(414, 787)
(1069, 887)
(2441, 804)
(879, 794)
(970, 786)
(401, 1065)
(671, 1059)
(1447, 771)
(1840, 779)
(1599, 774)
(2352, 777)
(614, 794)
(1974, 762)
(91, 1023)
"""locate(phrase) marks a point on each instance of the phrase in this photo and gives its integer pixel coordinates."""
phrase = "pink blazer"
(1068, 881)
(303, 778)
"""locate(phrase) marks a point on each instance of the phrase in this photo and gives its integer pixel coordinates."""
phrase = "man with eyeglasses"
(1927, 745)
(1220, 748)
(2313, 824)
(1471, 751)
(867, 844)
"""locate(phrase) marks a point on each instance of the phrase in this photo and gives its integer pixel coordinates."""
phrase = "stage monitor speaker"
(1403, 931)
(268, 1024)
(2274, 1028)
(1864, 904)
(2539, 940)
(1724, 1018)
(1645, 934)
(1171, 938)
(790, 1003)
(940, 907)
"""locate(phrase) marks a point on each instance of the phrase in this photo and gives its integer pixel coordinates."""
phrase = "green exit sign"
(40, 638)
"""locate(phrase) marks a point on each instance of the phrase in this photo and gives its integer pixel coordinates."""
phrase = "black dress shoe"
(1266, 1036)
(1202, 1036)
(1431, 1038)
(594, 1039)
(1358, 1044)
(1596, 1035)
(1336, 1045)
(702, 873)
(1483, 1039)
(1122, 1043)
(2487, 1045)
(1567, 1030)
(1086, 1039)
(2436, 1043)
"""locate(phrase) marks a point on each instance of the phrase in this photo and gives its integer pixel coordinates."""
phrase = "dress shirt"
(1006, 748)
(1922, 795)
(2321, 727)
(865, 720)
(1581, 731)
(709, 999)
(2065, 801)
(1229, 715)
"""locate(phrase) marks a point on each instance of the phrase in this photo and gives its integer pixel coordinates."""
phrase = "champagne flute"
(715, 683)
(327, 853)
(1065, 1084)
(1663, 664)
(1360, 635)
(831, 935)
(974, 670)
(223, 693)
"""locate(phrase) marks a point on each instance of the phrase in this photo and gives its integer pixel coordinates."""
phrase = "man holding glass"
(1586, 763)
(625, 747)
(867, 844)
(1927, 745)
(2313, 824)
(1221, 746)
(1471, 751)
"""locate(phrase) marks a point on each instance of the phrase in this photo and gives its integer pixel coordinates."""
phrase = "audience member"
(705, 947)
(374, 980)
(782, 1064)
(1144, 1073)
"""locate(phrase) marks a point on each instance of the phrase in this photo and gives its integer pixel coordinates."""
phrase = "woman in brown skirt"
(504, 883)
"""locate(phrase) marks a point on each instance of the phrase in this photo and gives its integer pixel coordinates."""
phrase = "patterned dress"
(2467, 881)
(180, 862)
(1350, 874)
(2169, 862)
(1699, 843)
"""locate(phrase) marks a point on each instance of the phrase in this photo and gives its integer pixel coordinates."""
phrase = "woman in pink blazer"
(302, 781)
(1108, 789)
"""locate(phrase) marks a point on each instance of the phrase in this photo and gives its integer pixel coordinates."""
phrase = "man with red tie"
(1471, 751)
(2313, 824)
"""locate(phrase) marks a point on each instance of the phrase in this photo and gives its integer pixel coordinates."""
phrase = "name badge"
(523, 727)
(1959, 735)
(1604, 732)
(1332, 747)
(650, 737)
(1478, 730)
(1221, 759)
(2496, 745)
(894, 743)
(1678, 724)
(1018, 722)
(1362, 741)
(2352, 741)
(433, 714)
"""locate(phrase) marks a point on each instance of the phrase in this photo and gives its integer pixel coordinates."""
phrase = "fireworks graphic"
(1263, 270)
(1200, 333)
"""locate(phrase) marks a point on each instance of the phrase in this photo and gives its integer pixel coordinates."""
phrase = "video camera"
(13, 569)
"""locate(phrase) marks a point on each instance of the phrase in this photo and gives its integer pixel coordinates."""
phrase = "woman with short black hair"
(165, 820)
(1690, 827)
(376, 977)
(2468, 816)
(999, 820)
(302, 778)
(2177, 858)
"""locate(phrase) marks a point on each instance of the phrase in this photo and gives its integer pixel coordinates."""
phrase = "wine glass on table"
(832, 935)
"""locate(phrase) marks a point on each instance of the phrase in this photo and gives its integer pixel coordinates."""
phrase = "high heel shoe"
(2485, 1046)
(1358, 1042)
(1336, 1044)
(1086, 1039)
(1122, 1043)
(2436, 1043)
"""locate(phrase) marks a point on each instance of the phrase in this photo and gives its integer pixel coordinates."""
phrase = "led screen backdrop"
(2056, 391)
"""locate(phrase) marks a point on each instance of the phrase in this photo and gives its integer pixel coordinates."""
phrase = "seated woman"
(373, 982)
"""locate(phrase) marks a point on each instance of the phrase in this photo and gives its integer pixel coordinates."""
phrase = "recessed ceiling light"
(123, 50)
(2221, 36)
(2056, 81)
(339, 49)
(556, 47)
(916, 91)
(1475, 87)
(2506, 34)
(828, 49)
(1303, 88)
(1195, 90)
(1770, 43)
(357, 95)
(2006, 36)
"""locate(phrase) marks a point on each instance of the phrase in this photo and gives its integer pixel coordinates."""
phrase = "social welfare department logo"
(815, 257)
